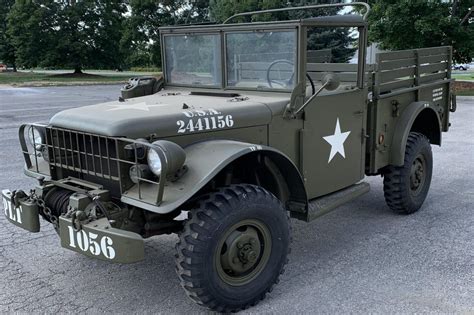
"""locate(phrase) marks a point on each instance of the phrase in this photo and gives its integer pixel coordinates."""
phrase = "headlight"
(35, 137)
(175, 157)
(154, 162)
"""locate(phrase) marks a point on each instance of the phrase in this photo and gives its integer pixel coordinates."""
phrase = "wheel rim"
(243, 252)
(417, 175)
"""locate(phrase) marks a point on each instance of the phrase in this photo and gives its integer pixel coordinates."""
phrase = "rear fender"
(420, 117)
(207, 159)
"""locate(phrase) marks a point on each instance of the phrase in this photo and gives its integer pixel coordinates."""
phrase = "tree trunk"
(77, 69)
(454, 10)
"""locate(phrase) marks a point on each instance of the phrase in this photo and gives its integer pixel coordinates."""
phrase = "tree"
(141, 40)
(72, 34)
(410, 24)
(28, 27)
(220, 10)
(7, 51)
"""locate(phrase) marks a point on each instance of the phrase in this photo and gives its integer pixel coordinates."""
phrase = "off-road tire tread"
(188, 259)
(393, 184)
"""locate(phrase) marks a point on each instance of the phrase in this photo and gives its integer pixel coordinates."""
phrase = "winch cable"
(57, 201)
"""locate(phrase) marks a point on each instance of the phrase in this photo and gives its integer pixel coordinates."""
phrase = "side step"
(322, 205)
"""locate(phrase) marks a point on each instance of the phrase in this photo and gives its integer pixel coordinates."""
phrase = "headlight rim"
(172, 158)
(37, 146)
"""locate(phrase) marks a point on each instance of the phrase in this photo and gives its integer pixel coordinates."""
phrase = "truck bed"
(398, 79)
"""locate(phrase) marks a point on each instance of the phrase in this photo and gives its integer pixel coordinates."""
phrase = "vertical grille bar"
(53, 150)
(108, 157)
(72, 151)
(92, 153)
(100, 156)
(117, 156)
(59, 149)
(85, 152)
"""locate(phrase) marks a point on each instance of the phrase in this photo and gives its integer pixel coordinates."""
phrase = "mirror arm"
(299, 110)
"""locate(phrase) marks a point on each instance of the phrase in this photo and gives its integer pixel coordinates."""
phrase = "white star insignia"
(337, 141)
(134, 106)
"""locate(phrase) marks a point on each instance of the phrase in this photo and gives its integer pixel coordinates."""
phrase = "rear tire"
(233, 248)
(406, 187)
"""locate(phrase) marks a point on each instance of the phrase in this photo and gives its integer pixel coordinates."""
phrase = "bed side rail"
(407, 70)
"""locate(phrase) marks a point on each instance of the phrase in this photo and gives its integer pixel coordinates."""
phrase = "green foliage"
(220, 10)
(141, 41)
(7, 50)
(71, 34)
(120, 34)
(409, 24)
(338, 40)
(27, 29)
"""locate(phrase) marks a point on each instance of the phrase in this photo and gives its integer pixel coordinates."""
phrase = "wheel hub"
(417, 175)
(244, 251)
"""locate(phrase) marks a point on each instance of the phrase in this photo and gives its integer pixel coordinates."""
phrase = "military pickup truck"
(250, 124)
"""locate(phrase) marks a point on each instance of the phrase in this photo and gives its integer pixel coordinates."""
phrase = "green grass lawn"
(464, 76)
(465, 93)
(33, 78)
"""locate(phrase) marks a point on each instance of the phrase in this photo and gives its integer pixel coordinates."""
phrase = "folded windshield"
(254, 59)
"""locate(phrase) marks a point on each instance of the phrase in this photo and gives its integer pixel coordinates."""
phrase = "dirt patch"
(464, 86)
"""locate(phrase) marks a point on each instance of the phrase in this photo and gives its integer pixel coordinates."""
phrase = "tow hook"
(77, 218)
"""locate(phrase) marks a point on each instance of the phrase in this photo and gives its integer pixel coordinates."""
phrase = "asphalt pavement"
(359, 259)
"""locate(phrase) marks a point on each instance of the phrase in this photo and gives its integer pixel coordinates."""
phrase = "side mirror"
(330, 81)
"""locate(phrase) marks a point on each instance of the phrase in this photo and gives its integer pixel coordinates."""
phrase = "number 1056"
(88, 241)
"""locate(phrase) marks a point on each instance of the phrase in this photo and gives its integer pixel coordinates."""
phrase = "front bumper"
(96, 238)
(22, 213)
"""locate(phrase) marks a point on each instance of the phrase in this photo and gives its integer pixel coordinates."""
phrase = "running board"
(325, 204)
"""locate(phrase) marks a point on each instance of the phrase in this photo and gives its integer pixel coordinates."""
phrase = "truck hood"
(168, 114)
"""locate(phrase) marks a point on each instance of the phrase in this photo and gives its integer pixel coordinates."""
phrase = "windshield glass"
(193, 60)
(262, 60)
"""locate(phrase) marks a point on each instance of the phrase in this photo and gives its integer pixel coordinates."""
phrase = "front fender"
(205, 160)
(405, 125)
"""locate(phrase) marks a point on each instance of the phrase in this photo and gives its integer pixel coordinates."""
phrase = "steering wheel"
(285, 83)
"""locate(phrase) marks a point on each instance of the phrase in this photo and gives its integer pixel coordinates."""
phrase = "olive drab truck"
(251, 123)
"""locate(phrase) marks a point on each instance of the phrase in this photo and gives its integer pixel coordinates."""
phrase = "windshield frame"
(222, 32)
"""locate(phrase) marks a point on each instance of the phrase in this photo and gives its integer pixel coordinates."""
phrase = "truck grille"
(83, 152)
(97, 159)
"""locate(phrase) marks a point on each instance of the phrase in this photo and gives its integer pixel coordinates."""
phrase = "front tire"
(233, 248)
(406, 187)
